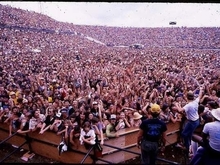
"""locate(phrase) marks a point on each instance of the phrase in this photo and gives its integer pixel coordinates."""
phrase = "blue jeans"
(187, 132)
(197, 158)
(204, 157)
(149, 152)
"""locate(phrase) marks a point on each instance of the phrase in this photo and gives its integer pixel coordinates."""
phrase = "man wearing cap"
(110, 128)
(64, 113)
(150, 133)
(95, 109)
(209, 151)
(190, 110)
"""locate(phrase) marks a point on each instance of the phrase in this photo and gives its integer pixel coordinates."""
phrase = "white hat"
(137, 116)
(12, 93)
(216, 113)
(58, 114)
(25, 100)
(113, 116)
(94, 102)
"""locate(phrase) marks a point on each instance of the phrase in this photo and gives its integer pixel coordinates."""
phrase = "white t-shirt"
(32, 123)
(213, 130)
(91, 133)
(191, 110)
(122, 125)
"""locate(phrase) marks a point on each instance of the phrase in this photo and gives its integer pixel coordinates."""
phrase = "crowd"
(80, 89)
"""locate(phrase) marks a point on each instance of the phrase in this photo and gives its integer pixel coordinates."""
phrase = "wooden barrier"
(46, 145)
(172, 133)
(115, 150)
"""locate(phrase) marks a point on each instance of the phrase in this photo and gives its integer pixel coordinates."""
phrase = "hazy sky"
(128, 14)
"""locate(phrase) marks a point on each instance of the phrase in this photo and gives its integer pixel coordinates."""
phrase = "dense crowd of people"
(81, 89)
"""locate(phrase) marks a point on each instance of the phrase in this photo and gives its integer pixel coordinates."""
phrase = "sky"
(127, 14)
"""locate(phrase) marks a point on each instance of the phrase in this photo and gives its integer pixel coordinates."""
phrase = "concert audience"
(44, 63)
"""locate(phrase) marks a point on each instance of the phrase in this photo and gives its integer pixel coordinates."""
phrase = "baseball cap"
(155, 108)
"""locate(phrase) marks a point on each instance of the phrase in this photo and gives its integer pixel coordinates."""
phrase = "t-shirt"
(213, 130)
(32, 123)
(153, 129)
(49, 120)
(110, 130)
(90, 133)
(191, 110)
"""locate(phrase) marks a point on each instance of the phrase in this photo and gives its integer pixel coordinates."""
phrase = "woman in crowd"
(57, 123)
(87, 135)
(13, 120)
(122, 122)
(50, 118)
(37, 120)
(165, 113)
(137, 119)
(24, 127)
(74, 137)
